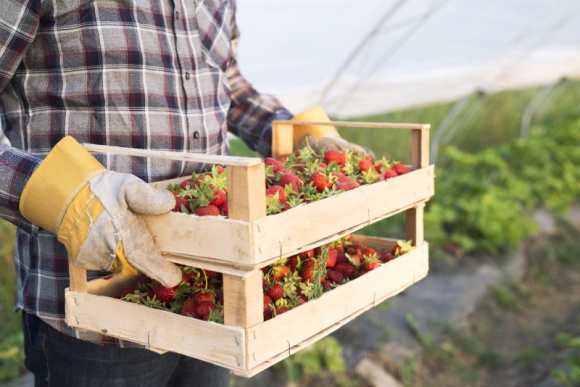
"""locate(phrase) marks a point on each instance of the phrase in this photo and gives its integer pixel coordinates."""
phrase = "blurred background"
(499, 82)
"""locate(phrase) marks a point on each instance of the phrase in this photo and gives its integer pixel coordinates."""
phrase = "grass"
(11, 350)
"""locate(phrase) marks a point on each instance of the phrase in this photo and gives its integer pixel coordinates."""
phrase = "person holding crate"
(158, 75)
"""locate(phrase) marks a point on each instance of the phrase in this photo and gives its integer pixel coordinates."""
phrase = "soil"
(510, 337)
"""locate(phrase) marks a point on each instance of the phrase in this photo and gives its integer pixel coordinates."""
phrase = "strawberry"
(275, 164)
(219, 197)
(126, 292)
(278, 272)
(186, 184)
(332, 256)
(224, 208)
(401, 248)
(293, 262)
(182, 205)
(204, 308)
(336, 156)
(164, 294)
(370, 265)
(277, 189)
(209, 210)
(275, 292)
(268, 303)
(307, 254)
(319, 181)
(292, 180)
(203, 295)
(188, 308)
(335, 276)
(366, 164)
(387, 257)
(400, 169)
(346, 268)
(280, 310)
(389, 174)
(326, 285)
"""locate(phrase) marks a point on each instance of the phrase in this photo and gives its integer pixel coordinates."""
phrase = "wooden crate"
(246, 351)
(248, 240)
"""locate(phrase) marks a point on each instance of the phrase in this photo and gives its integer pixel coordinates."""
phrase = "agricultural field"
(491, 177)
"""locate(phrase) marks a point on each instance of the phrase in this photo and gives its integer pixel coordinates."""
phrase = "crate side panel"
(203, 236)
(157, 329)
(277, 336)
(284, 234)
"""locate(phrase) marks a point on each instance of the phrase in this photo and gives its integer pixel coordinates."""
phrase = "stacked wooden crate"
(240, 245)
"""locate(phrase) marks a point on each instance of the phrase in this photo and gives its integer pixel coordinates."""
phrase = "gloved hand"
(321, 137)
(93, 213)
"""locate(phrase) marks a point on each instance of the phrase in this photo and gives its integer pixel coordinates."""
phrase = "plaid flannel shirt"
(153, 74)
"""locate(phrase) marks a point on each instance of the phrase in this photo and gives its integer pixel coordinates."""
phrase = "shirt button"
(187, 76)
(196, 134)
(177, 14)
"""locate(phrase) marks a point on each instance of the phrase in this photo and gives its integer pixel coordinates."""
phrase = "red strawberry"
(203, 295)
(308, 272)
(275, 292)
(307, 254)
(219, 197)
(347, 269)
(332, 256)
(267, 303)
(387, 257)
(179, 202)
(186, 184)
(371, 265)
(291, 179)
(188, 308)
(347, 186)
(401, 248)
(209, 210)
(275, 164)
(293, 262)
(400, 169)
(389, 174)
(280, 310)
(224, 208)
(163, 293)
(365, 164)
(326, 285)
(279, 272)
(319, 181)
(276, 189)
(336, 156)
(126, 292)
(335, 276)
(204, 308)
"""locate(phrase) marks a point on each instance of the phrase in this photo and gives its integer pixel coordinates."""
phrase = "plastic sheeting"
(365, 57)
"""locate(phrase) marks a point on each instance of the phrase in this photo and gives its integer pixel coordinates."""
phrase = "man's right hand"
(94, 213)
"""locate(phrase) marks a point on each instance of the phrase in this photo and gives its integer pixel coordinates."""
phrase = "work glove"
(321, 137)
(93, 213)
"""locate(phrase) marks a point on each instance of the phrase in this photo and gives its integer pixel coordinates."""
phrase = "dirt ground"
(510, 338)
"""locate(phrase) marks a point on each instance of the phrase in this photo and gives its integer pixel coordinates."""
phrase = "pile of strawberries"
(287, 283)
(302, 177)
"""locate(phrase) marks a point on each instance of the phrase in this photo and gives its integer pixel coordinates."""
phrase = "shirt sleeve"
(15, 168)
(19, 20)
(251, 113)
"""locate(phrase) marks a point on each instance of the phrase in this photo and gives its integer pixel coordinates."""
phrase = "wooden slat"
(277, 337)
(78, 277)
(156, 329)
(283, 234)
(246, 192)
(414, 224)
(243, 299)
(420, 147)
(282, 138)
(347, 124)
(181, 156)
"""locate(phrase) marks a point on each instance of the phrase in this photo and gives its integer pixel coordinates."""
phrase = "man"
(157, 74)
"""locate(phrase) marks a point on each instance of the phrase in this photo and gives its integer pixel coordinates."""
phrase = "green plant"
(571, 376)
(323, 356)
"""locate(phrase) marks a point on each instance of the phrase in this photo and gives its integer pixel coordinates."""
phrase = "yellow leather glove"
(93, 213)
(321, 137)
